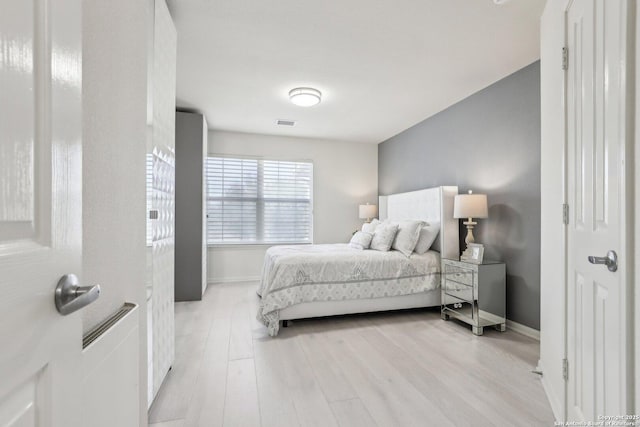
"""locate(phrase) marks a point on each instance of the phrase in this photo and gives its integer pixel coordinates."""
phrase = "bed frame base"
(334, 308)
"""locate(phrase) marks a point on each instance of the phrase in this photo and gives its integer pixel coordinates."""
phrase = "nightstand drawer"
(459, 290)
(460, 275)
(457, 306)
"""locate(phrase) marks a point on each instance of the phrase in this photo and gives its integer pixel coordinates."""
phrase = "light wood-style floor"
(388, 369)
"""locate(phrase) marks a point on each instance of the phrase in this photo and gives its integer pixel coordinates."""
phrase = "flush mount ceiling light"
(305, 96)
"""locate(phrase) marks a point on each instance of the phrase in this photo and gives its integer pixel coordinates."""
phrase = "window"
(255, 201)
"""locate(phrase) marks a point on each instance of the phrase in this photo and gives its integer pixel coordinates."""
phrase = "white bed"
(359, 281)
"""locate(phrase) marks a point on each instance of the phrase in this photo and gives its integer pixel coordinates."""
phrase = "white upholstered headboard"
(430, 205)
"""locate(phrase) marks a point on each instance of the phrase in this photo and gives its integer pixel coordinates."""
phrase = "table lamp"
(368, 212)
(470, 206)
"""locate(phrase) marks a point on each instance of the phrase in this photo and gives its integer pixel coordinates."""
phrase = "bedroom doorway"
(597, 277)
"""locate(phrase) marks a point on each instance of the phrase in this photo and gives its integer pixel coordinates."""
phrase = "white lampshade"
(470, 206)
(368, 211)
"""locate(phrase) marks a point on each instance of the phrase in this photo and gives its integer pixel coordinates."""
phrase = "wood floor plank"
(191, 318)
(429, 385)
(193, 323)
(173, 423)
(352, 413)
(515, 380)
(391, 399)
(173, 398)
(453, 360)
(206, 408)
(328, 373)
(240, 344)
(241, 407)
(311, 406)
(207, 405)
(274, 394)
(385, 369)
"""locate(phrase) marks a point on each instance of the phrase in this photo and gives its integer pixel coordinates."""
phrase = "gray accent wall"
(488, 143)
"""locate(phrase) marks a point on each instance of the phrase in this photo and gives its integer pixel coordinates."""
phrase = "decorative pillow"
(361, 240)
(428, 234)
(407, 237)
(370, 227)
(383, 237)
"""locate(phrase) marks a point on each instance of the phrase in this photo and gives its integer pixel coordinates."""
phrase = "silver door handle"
(70, 297)
(611, 260)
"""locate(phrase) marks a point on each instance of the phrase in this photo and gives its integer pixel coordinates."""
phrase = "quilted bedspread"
(332, 272)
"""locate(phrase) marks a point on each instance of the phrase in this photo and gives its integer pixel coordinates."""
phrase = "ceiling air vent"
(282, 122)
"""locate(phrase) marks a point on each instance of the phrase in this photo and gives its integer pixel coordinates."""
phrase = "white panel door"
(40, 210)
(596, 114)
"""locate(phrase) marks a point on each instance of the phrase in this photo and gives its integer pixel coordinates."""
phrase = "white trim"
(514, 326)
(524, 330)
(239, 279)
(556, 404)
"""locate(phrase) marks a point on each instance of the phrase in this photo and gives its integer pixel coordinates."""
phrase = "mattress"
(307, 273)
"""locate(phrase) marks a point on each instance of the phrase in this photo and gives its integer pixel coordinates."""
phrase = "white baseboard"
(556, 406)
(514, 326)
(240, 279)
(524, 330)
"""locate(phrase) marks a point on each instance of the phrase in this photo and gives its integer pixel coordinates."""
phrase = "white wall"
(552, 293)
(345, 175)
(114, 146)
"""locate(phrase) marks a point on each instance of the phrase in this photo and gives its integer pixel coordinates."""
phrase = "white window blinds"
(254, 201)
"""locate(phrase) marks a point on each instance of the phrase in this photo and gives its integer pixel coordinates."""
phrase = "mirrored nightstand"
(474, 293)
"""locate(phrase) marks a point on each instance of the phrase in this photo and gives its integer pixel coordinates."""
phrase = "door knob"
(70, 296)
(611, 260)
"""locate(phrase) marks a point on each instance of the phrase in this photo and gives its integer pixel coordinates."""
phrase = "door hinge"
(565, 369)
(565, 58)
(565, 213)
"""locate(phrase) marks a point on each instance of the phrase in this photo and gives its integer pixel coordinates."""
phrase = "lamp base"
(470, 225)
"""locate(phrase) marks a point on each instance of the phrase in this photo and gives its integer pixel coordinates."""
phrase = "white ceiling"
(382, 66)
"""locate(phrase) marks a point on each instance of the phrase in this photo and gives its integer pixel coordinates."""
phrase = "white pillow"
(428, 234)
(407, 237)
(370, 227)
(383, 237)
(361, 240)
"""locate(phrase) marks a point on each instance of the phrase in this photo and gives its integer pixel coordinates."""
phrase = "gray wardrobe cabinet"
(191, 204)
